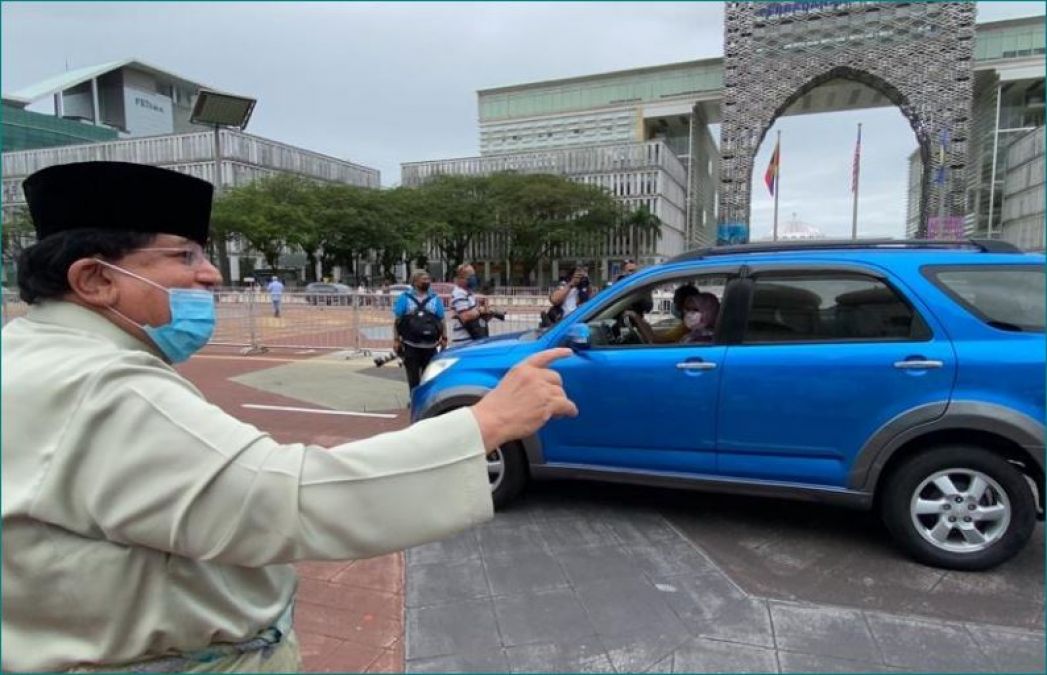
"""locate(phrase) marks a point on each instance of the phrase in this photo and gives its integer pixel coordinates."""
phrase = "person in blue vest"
(419, 327)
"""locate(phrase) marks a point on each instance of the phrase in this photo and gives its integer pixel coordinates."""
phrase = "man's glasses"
(192, 256)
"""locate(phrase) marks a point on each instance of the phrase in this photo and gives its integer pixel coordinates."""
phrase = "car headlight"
(436, 367)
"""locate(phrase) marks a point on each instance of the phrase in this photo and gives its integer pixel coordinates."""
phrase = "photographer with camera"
(419, 327)
(574, 290)
(471, 311)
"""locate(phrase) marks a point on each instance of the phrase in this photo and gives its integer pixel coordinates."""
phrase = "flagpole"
(777, 178)
(857, 176)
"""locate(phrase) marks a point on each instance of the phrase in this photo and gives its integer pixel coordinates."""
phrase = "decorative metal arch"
(918, 55)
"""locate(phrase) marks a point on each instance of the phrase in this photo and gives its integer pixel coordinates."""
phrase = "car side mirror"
(579, 336)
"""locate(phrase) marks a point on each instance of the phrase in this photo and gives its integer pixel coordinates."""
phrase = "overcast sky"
(385, 83)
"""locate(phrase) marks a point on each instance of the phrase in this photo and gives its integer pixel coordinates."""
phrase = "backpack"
(420, 325)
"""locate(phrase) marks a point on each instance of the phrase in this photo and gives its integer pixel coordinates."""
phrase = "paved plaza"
(585, 577)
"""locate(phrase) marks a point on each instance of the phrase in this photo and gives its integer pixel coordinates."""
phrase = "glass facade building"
(24, 130)
(663, 102)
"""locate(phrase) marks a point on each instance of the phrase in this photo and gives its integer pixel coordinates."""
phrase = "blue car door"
(641, 406)
(826, 358)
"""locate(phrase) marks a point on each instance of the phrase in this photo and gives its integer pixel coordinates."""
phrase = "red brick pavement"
(349, 615)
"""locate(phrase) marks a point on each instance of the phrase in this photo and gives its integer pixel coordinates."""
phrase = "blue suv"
(902, 376)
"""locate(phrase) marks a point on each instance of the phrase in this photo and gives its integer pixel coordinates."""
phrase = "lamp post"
(218, 110)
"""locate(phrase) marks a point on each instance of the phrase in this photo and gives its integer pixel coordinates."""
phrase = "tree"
(349, 216)
(452, 211)
(400, 234)
(538, 214)
(17, 232)
(298, 200)
(250, 212)
(637, 222)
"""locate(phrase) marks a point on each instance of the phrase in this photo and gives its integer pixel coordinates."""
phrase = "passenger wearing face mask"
(699, 317)
(144, 528)
(675, 334)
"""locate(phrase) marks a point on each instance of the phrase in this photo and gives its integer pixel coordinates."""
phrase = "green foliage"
(349, 221)
(638, 222)
(531, 216)
(540, 214)
(17, 231)
(452, 212)
(256, 214)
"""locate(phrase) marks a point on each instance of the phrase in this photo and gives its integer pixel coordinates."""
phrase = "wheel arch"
(460, 397)
(1003, 431)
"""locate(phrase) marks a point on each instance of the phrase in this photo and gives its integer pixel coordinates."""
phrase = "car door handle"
(917, 365)
(695, 365)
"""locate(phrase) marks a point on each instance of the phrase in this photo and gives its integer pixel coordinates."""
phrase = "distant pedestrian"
(276, 293)
(419, 326)
(628, 267)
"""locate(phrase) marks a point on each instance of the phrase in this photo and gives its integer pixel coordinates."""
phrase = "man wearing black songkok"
(143, 527)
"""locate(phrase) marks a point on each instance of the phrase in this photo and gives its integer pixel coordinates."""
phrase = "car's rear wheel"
(959, 507)
(507, 472)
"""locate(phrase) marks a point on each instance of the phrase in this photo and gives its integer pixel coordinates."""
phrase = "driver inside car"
(675, 334)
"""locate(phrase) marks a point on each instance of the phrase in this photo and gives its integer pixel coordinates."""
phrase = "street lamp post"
(218, 110)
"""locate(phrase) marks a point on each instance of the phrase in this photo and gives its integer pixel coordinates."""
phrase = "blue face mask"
(192, 320)
(472, 282)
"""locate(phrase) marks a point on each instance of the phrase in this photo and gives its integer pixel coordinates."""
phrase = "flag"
(771, 176)
(857, 161)
(943, 149)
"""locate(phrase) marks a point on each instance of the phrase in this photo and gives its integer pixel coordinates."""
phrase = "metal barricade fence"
(248, 319)
(357, 322)
(13, 307)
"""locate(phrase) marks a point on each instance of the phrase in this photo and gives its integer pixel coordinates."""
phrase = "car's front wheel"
(959, 507)
(507, 471)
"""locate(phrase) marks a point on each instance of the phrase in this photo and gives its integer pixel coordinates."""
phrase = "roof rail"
(984, 245)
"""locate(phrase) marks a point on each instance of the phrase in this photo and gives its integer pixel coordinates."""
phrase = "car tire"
(958, 507)
(507, 470)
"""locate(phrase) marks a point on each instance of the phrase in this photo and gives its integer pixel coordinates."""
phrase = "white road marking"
(317, 411)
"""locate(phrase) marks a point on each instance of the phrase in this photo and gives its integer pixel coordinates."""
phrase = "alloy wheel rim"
(495, 468)
(960, 510)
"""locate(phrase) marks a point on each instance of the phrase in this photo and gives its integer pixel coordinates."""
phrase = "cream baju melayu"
(141, 521)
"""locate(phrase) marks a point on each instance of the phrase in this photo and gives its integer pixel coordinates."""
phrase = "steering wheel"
(633, 335)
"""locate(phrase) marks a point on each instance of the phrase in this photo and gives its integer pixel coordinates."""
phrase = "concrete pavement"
(601, 578)
(586, 578)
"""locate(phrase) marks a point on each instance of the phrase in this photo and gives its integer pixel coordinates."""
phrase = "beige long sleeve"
(139, 519)
(147, 462)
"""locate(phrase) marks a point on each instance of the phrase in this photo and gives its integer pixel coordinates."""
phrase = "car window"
(319, 287)
(1005, 297)
(646, 316)
(829, 307)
